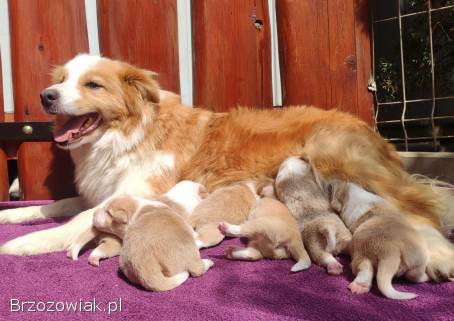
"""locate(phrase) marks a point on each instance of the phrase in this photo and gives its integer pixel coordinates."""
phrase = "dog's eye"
(93, 85)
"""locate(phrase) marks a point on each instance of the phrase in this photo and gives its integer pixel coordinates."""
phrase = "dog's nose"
(48, 97)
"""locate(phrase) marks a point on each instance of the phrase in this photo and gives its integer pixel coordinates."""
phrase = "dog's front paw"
(12, 216)
(18, 247)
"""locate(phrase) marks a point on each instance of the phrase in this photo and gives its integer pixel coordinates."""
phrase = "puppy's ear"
(336, 195)
(266, 189)
(143, 82)
(119, 216)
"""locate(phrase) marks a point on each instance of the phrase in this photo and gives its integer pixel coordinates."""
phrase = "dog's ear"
(143, 82)
(336, 195)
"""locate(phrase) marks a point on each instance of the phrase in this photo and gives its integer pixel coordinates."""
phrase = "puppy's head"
(92, 96)
(115, 216)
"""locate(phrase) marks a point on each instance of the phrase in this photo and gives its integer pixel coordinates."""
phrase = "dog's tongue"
(72, 126)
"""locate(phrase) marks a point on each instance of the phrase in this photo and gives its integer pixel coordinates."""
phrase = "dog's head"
(92, 95)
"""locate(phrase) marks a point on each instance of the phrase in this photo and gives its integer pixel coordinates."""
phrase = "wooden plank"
(144, 33)
(325, 54)
(342, 55)
(4, 184)
(43, 33)
(365, 101)
(304, 52)
(232, 57)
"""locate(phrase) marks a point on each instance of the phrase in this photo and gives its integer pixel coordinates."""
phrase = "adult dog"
(125, 135)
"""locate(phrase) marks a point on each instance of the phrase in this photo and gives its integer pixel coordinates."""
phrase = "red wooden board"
(43, 33)
(144, 33)
(232, 57)
(325, 54)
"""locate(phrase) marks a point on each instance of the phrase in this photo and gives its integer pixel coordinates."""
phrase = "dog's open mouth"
(76, 127)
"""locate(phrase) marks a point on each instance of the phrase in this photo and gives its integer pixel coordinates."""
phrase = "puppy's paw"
(229, 252)
(95, 257)
(224, 228)
(207, 263)
(300, 265)
(229, 229)
(94, 260)
(358, 287)
(73, 252)
(334, 268)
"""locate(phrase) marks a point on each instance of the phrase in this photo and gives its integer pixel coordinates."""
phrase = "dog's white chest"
(101, 176)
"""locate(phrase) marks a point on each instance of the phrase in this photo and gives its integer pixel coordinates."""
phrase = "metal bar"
(415, 13)
(26, 131)
(432, 71)
(415, 119)
(417, 100)
(91, 15)
(403, 78)
(185, 52)
(5, 52)
(275, 66)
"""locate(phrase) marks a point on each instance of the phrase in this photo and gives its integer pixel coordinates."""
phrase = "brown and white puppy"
(383, 241)
(231, 204)
(323, 232)
(272, 233)
(158, 245)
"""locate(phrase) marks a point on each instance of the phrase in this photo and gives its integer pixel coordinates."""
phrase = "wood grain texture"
(3, 158)
(43, 33)
(343, 59)
(303, 34)
(144, 33)
(232, 58)
(323, 46)
(365, 101)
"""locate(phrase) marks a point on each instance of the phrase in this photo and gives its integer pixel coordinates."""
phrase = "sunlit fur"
(144, 138)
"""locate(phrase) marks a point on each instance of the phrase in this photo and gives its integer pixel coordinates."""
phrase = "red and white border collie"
(127, 135)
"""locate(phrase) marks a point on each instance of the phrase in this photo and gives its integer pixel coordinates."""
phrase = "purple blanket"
(231, 290)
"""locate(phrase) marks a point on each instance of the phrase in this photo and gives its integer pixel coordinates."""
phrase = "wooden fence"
(324, 55)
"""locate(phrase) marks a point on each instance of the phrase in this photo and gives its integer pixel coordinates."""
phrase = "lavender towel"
(232, 290)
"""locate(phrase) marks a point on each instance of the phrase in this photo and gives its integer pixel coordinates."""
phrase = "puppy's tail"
(330, 236)
(158, 282)
(386, 270)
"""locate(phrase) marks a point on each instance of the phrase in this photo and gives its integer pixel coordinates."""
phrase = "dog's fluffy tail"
(386, 270)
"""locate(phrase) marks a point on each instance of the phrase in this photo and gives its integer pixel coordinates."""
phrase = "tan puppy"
(158, 245)
(272, 233)
(323, 232)
(231, 204)
(383, 241)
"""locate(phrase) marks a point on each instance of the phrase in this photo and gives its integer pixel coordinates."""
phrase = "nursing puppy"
(272, 233)
(158, 245)
(231, 204)
(323, 232)
(383, 241)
